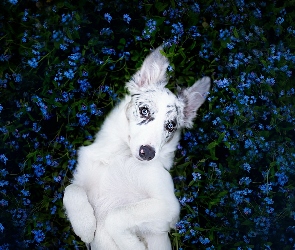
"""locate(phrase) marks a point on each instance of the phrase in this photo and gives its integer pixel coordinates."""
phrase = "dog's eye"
(170, 126)
(144, 112)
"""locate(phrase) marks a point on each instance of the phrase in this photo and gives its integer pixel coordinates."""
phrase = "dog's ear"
(152, 73)
(193, 97)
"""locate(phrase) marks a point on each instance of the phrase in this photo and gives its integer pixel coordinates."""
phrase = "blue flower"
(3, 183)
(33, 62)
(248, 143)
(126, 18)
(1, 228)
(71, 164)
(13, 1)
(282, 178)
(245, 180)
(94, 110)
(216, 121)
(246, 167)
(36, 99)
(57, 196)
(63, 47)
(83, 107)
(266, 188)
(36, 128)
(3, 203)
(196, 8)
(106, 31)
(247, 210)
(223, 83)
(177, 29)
(257, 13)
(50, 162)
(268, 200)
(69, 74)
(17, 77)
(57, 35)
(3, 158)
(75, 56)
(108, 51)
(84, 85)
(25, 15)
(66, 18)
(39, 170)
(57, 179)
(230, 45)
(4, 57)
(25, 192)
(196, 176)
(53, 209)
(3, 172)
(224, 34)
(280, 20)
(83, 119)
(26, 201)
(203, 240)
(193, 31)
(107, 17)
(39, 236)
(150, 27)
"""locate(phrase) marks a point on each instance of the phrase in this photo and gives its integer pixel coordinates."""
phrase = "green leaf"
(184, 165)
(148, 7)
(212, 145)
(236, 34)
(160, 6)
(182, 53)
(221, 137)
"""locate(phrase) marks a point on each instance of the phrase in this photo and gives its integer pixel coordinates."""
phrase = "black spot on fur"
(144, 122)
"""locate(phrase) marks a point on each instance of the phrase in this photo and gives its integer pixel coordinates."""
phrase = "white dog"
(122, 195)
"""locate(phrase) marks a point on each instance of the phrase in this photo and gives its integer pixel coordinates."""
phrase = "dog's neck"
(112, 135)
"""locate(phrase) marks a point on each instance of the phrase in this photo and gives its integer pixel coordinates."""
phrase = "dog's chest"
(121, 184)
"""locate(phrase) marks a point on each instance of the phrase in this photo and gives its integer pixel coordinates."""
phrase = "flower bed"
(63, 67)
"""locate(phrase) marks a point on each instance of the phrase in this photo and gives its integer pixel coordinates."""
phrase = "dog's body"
(122, 196)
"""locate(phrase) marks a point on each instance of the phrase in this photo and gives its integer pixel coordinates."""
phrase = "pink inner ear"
(193, 98)
(191, 106)
(151, 74)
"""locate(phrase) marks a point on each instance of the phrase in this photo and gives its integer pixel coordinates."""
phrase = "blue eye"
(170, 126)
(144, 112)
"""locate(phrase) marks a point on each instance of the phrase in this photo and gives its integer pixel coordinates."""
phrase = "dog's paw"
(85, 227)
(80, 212)
(88, 231)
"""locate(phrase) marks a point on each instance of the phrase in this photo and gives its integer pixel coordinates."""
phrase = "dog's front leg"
(80, 212)
(148, 215)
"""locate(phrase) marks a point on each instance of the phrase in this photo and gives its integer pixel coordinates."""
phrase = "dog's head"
(154, 113)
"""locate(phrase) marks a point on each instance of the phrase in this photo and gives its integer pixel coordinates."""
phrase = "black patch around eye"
(146, 121)
(144, 112)
(170, 126)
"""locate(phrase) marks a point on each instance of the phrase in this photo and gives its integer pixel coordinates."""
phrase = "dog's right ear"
(151, 75)
(192, 98)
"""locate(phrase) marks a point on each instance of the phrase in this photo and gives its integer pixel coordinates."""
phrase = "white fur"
(118, 199)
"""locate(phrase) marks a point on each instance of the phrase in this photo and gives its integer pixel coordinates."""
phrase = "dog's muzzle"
(146, 153)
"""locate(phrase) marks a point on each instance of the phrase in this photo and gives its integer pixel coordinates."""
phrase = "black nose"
(146, 153)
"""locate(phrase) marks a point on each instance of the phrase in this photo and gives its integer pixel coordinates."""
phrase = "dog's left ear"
(193, 97)
(151, 74)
